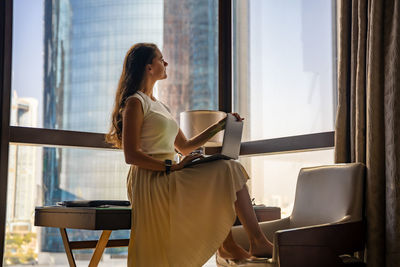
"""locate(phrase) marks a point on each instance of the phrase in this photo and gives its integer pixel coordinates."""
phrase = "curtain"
(368, 115)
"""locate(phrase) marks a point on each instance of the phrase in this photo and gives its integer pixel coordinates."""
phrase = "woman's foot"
(224, 254)
(261, 248)
(233, 252)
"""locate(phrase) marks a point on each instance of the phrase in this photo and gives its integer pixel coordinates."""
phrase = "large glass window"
(43, 176)
(284, 85)
(274, 177)
(66, 61)
(284, 62)
(68, 56)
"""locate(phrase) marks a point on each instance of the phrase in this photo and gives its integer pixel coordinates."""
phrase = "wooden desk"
(105, 219)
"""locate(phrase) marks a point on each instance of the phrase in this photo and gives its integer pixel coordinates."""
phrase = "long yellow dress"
(180, 219)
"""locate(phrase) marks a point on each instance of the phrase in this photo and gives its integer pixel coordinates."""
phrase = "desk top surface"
(103, 209)
(90, 218)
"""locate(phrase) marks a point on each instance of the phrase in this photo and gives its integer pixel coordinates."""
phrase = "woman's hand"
(185, 146)
(221, 123)
(238, 118)
(185, 161)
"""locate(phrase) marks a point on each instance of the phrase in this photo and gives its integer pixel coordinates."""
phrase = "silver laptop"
(230, 144)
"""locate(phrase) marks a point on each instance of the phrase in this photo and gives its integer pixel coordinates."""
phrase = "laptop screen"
(232, 137)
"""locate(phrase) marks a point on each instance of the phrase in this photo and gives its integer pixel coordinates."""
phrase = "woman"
(180, 216)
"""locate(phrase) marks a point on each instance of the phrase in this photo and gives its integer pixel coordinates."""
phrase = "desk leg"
(68, 250)
(100, 246)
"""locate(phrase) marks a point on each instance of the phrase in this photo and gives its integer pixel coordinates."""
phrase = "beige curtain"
(368, 117)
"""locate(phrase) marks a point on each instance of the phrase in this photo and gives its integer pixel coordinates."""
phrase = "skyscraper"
(57, 35)
(191, 49)
(22, 169)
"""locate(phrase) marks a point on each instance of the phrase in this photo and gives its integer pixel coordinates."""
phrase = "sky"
(27, 50)
(290, 68)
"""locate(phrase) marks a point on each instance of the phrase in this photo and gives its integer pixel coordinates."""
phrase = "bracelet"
(168, 164)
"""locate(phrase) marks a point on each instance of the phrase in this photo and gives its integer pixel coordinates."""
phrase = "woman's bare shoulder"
(132, 99)
(134, 102)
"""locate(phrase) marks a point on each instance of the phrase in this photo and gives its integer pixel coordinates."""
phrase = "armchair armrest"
(319, 245)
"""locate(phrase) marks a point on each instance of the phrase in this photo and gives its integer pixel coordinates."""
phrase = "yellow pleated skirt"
(180, 219)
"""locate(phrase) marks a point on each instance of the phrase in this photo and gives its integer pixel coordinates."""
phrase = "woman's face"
(159, 66)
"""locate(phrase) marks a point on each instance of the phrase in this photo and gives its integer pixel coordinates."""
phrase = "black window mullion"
(63, 138)
(59, 138)
(284, 144)
(5, 78)
(225, 55)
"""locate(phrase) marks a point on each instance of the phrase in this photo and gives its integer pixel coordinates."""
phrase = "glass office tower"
(191, 49)
(57, 35)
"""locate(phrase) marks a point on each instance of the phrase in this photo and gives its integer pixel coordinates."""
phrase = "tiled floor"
(105, 262)
(210, 262)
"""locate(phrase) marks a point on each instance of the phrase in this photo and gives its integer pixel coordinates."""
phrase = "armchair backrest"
(328, 194)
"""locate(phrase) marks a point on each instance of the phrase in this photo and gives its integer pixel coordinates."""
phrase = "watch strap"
(168, 164)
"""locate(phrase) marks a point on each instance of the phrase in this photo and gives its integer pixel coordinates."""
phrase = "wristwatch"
(168, 164)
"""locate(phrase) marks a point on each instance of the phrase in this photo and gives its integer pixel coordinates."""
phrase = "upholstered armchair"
(326, 222)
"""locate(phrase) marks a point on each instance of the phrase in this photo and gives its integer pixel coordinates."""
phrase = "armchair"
(326, 222)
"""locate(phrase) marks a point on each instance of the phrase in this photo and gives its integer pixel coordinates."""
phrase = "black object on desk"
(93, 203)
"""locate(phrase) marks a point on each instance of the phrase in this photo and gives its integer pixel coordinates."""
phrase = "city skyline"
(22, 169)
(23, 186)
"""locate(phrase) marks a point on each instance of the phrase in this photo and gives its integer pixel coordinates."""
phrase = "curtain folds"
(368, 116)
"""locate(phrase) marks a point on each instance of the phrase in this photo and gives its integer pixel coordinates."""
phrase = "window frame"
(62, 138)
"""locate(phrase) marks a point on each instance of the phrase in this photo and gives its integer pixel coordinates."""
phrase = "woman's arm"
(185, 146)
(131, 130)
(132, 127)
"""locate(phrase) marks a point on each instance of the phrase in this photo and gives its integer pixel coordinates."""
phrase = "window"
(273, 177)
(67, 57)
(41, 176)
(283, 67)
(283, 85)
(74, 59)
(66, 60)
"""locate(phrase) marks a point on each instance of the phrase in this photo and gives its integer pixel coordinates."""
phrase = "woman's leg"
(230, 250)
(259, 244)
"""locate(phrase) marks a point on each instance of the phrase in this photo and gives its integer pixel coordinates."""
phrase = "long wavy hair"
(136, 59)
